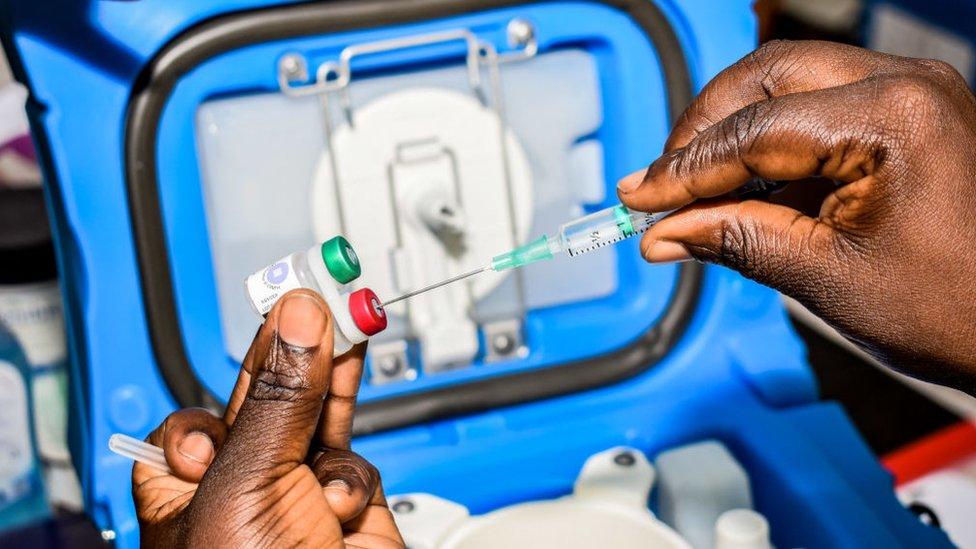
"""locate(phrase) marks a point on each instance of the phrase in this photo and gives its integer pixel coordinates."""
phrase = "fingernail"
(340, 484)
(666, 251)
(301, 321)
(632, 181)
(197, 447)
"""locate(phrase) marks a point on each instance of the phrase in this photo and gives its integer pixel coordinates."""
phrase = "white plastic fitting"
(742, 529)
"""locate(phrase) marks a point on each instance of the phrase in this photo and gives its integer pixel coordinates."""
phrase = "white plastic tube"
(140, 451)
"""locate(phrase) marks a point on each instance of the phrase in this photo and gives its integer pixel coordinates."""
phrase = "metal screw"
(390, 365)
(108, 535)
(293, 66)
(925, 514)
(503, 344)
(403, 507)
(625, 459)
(520, 32)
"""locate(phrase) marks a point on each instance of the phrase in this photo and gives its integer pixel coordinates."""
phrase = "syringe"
(588, 233)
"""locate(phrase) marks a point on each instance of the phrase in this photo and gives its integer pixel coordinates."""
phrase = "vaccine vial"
(328, 269)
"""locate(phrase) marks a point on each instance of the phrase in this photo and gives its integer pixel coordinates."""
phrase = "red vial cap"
(367, 311)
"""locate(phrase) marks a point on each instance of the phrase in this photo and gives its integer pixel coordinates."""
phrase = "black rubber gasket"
(224, 33)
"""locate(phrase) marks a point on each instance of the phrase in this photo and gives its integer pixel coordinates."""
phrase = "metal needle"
(438, 284)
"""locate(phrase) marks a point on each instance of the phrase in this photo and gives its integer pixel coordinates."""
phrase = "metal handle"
(335, 76)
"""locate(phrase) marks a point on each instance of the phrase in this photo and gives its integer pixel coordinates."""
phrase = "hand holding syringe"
(577, 237)
(588, 233)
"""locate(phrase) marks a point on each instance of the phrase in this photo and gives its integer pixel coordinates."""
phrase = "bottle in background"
(22, 499)
(30, 307)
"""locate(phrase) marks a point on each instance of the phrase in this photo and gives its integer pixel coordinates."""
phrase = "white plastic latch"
(430, 182)
(607, 509)
(620, 474)
(425, 519)
(433, 240)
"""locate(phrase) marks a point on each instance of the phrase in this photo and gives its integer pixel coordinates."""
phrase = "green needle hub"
(530, 253)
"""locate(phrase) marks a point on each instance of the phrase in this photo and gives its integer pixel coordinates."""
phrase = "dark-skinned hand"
(276, 470)
(890, 260)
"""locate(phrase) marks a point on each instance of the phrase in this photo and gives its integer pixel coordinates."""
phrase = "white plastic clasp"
(425, 519)
(427, 194)
(622, 475)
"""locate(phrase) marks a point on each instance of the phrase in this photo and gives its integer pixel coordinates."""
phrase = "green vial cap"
(341, 260)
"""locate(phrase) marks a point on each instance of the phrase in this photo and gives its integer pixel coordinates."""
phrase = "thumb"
(772, 244)
(290, 364)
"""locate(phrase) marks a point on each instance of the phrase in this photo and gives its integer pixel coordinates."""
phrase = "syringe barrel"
(605, 227)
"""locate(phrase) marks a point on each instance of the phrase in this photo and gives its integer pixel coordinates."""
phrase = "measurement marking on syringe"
(573, 252)
(578, 251)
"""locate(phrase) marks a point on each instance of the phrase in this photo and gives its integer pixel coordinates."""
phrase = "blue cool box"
(676, 354)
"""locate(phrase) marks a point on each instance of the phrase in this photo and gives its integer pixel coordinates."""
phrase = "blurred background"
(60, 488)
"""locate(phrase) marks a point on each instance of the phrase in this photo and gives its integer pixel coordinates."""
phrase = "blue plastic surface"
(737, 375)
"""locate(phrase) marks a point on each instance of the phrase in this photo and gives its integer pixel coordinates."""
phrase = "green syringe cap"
(341, 260)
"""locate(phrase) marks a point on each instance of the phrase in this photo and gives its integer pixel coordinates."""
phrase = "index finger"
(335, 426)
(777, 68)
(782, 139)
(375, 526)
(261, 341)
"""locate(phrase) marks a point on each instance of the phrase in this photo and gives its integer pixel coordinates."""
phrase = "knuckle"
(197, 415)
(180, 420)
(736, 244)
(742, 247)
(269, 385)
(733, 138)
(347, 465)
(766, 65)
(744, 125)
(908, 90)
(910, 112)
(744, 129)
(912, 102)
(944, 73)
(171, 421)
(284, 375)
(772, 51)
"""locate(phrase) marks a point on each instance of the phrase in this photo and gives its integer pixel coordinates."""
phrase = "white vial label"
(266, 286)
